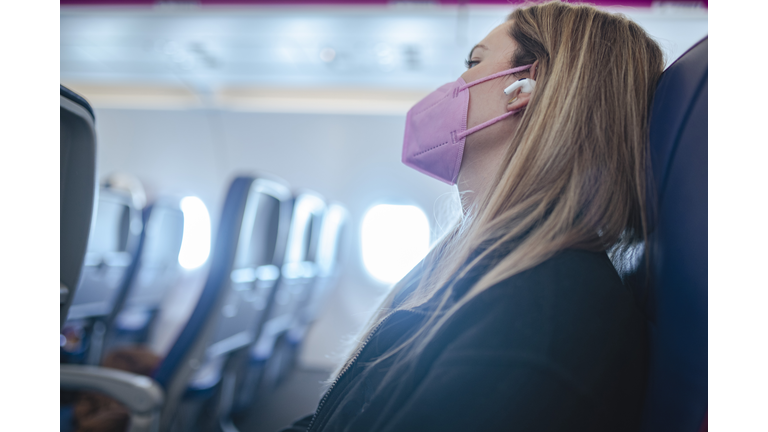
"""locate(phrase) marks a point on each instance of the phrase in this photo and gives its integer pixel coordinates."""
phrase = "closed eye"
(469, 62)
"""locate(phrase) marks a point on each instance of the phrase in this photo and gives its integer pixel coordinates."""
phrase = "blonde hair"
(574, 173)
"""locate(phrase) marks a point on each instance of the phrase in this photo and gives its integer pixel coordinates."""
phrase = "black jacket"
(559, 347)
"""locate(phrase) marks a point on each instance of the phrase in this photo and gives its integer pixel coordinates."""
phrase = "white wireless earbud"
(525, 84)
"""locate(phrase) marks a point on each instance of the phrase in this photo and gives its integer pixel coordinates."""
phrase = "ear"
(518, 100)
(533, 69)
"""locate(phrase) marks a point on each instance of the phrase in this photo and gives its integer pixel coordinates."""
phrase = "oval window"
(196, 240)
(394, 239)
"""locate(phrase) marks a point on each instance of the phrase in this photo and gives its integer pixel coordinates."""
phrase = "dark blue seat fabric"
(676, 297)
(66, 418)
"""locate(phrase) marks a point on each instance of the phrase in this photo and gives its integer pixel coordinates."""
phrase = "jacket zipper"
(351, 363)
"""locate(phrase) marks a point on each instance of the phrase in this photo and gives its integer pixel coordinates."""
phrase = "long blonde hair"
(574, 173)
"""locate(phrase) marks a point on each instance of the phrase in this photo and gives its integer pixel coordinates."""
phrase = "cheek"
(484, 150)
(492, 139)
(486, 103)
(478, 107)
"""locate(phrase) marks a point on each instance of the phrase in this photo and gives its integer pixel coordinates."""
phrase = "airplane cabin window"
(394, 239)
(196, 243)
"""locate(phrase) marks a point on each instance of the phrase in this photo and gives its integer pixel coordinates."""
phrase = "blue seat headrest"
(676, 398)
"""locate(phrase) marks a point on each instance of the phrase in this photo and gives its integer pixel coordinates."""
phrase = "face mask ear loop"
(461, 135)
(494, 76)
(486, 124)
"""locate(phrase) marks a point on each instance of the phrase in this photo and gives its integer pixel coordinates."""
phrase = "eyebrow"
(472, 51)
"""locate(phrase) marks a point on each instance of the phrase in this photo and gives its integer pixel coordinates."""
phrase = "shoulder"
(571, 267)
(560, 343)
(574, 299)
(571, 281)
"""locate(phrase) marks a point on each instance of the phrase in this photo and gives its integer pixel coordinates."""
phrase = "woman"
(517, 320)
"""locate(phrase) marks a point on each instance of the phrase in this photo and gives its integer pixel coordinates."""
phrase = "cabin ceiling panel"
(210, 49)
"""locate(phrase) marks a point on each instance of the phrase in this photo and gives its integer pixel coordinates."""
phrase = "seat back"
(109, 263)
(329, 243)
(676, 397)
(226, 316)
(253, 278)
(112, 246)
(297, 274)
(157, 271)
(77, 191)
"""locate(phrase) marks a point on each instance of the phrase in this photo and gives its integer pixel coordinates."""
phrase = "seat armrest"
(141, 395)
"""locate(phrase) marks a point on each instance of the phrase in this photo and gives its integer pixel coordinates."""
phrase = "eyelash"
(470, 63)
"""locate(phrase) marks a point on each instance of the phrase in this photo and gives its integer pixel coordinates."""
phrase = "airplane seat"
(331, 240)
(212, 348)
(155, 403)
(675, 294)
(268, 362)
(77, 191)
(110, 260)
(157, 272)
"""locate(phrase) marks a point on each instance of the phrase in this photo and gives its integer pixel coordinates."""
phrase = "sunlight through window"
(196, 241)
(394, 239)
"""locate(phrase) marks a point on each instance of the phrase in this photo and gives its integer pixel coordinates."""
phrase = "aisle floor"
(296, 397)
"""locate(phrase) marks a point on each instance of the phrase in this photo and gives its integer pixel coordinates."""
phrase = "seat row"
(272, 264)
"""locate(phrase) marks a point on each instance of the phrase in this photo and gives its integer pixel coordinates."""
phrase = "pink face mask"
(436, 128)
